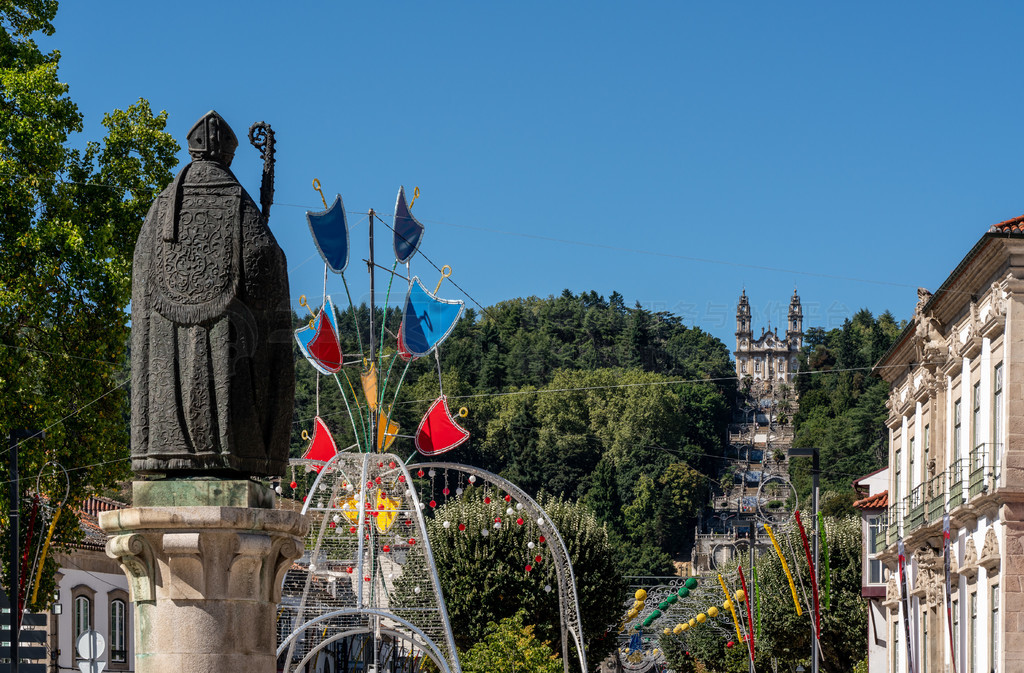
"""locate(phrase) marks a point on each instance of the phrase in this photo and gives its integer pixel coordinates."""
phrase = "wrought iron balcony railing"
(957, 483)
(986, 460)
(936, 494)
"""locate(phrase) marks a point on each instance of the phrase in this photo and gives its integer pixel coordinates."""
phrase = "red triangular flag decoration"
(438, 431)
(403, 352)
(322, 446)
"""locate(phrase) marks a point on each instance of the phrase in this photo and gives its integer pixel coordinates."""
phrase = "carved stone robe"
(211, 349)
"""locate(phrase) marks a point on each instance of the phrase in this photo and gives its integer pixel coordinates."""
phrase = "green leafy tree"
(509, 645)
(484, 577)
(69, 224)
(842, 404)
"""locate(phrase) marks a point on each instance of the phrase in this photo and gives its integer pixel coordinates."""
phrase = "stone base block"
(205, 581)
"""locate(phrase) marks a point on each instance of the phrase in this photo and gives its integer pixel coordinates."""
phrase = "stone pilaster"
(205, 578)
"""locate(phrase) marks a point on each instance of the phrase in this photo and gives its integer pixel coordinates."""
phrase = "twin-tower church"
(768, 357)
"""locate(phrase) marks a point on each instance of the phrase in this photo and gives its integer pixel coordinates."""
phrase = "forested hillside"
(842, 405)
(577, 396)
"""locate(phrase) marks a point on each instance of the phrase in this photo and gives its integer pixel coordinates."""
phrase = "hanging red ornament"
(391, 464)
(462, 527)
(487, 500)
(541, 539)
(294, 485)
(380, 464)
(419, 473)
(497, 519)
(367, 579)
(333, 525)
(538, 558)
(433, 503)
(377, 480)
(348, 570)
(520, 521)
(401, 478)
(352, 529)
(508, 498)
(386, 548)
(446, 491)
(408, 522)
(529, 567)
(412, 540)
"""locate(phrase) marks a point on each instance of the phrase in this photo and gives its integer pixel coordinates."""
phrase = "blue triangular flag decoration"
(330, 233)
(408, 230)
(427, 320)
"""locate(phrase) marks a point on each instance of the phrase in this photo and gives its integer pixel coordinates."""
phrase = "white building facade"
(874, 507)
(956, 447)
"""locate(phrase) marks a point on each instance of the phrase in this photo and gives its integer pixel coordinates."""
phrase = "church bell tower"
(743, 336)
(795, 326)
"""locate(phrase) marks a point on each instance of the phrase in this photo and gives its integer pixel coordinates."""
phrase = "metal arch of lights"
(567, 598)
(452, 659)
(428, 645)
(699, 597)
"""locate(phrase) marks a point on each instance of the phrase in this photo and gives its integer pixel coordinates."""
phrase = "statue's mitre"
(211, 138)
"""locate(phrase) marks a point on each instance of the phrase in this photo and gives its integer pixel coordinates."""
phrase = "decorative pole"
(372, 442)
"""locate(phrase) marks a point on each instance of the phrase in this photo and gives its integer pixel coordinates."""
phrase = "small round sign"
(90, 645)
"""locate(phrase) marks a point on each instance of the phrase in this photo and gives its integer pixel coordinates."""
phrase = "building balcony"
(984, 469)
(914, 505)
(957, 484)
(881, 540)
(936, 494)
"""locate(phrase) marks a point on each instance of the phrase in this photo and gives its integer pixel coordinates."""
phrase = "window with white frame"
(82, 615)
(973, 636)
(957, 423)
(956, 629)
(910, 467)
(997, 417)
(899, 476)
(924, 639)
(976, 422)
(994, 630)
(876, 569)
(118, 637)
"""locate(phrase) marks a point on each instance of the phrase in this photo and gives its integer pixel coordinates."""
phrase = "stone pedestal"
(205, 569)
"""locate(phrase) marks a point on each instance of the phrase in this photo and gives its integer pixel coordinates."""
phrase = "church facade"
(769, 357)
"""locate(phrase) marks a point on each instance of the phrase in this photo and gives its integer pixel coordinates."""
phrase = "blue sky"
(672, 151)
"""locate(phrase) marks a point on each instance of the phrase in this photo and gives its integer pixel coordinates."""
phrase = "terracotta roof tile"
(876, 501)
(1012, 226)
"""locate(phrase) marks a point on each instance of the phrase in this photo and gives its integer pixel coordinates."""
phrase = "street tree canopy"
(71, 215)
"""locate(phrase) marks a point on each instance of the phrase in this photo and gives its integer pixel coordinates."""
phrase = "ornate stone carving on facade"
(994, 317)
(998, 300)
(990, 557)
(970, 337)
(892, 592)
(970, 567)
(929, 343)
(926, 386)
(929, 576)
